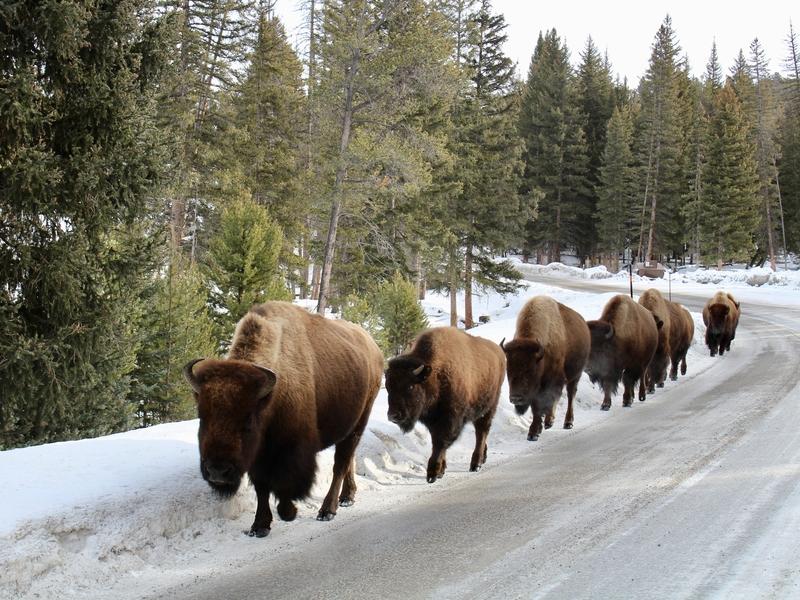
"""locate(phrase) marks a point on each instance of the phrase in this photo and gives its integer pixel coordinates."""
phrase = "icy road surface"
(695, 495)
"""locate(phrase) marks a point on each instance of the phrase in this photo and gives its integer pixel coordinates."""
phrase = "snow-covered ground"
(77, 517)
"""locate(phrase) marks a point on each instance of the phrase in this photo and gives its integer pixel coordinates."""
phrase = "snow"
(78, 517)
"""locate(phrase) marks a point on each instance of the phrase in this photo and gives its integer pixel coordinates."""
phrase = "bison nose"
(220, 472)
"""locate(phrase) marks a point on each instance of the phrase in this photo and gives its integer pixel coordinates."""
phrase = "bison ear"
(422, 372)
(659, 322)
(189, 375)
(538, 354)
(610, 332)
(270, 379)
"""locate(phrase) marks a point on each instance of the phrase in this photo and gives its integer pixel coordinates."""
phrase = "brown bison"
(293, 383)
(681, 334)
(653, 301)
(549, 350)
(624, 341)
(721, 317)
(446, 379)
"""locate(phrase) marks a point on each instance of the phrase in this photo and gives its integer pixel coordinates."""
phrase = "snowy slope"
(77, 516)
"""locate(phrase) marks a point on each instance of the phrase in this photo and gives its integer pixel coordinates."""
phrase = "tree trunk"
(651, 235)
(341, 173)
(770, 241)
(316, 273)
(453, 272)
(468, 322)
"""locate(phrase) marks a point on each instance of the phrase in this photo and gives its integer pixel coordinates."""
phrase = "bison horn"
(418, 370)
(610, 333)
(189, 375)
(269, 384)
(502, 342)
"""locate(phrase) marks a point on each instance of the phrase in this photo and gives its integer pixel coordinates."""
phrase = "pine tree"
(380, 63)
(243, 267)
(789, 165)
(176, 328)
(617, 188)
(555, 161)
(80, 155)
(399, 313)
(596, 101)
(766, 154)
(730, 183)
(659, 144)
(267, 139)
(490, 150)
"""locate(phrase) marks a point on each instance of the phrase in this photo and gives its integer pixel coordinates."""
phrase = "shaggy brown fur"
(721, 317)
(549, 350)
(681, 334)
(293, 384)
(624, 341)
(653, 301)
(447, 378)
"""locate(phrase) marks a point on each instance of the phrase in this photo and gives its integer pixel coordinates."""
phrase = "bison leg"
(606, 395)
(569, 418)
(436, 463)
(628, 382)
(342, 461)
(536, 425)
(683, 365)
(482, 426)
(550, 418)
(673, 370)
(263, 521)
(348, 495)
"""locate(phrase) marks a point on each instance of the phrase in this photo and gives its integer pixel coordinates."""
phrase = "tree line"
(166, 164)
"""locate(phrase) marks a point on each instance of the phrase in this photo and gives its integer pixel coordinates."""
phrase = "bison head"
(717, 315)
(405, 380)
(232, 397)
(524, 366)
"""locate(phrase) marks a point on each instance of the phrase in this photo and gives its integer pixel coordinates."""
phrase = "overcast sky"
(625, 29)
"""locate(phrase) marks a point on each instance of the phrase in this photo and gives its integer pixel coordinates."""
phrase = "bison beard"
(271, 422)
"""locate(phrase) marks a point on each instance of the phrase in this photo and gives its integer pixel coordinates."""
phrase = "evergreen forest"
(166, 164)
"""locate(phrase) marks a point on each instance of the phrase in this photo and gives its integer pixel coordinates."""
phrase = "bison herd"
(295, 383)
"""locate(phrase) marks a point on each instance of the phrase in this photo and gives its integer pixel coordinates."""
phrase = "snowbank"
(79, 516)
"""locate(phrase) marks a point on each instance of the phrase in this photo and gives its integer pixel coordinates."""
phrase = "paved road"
(696, 495)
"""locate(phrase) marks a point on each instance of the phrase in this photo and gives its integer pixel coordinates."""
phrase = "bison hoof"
(346, 502)
(325, 515)
(432, 478)
(568, 425)
(548, 425)
(474, 468)
(259, 532)
(287, 511)
(605, 407)
(533, 438)
(661, 384)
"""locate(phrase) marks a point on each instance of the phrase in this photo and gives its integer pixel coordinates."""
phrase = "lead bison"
(446, 379)
(549, 350)
(681, 334)
(293, 383)
(653, 301)
(721, 317)
(624, 341)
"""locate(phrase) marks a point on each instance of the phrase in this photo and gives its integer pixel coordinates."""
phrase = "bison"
(721, 317)
(653, 301)
(447, 378)
(292, 384)
(549, 350)
(681, 334)
(624, 341)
